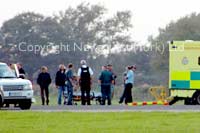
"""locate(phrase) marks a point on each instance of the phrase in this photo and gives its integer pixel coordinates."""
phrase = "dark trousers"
(44, 91)
(128, 93)
(106, 94)
(85, 98)
(70, 95)
(122, 96)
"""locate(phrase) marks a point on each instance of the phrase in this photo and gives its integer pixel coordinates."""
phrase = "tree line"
(91, 25)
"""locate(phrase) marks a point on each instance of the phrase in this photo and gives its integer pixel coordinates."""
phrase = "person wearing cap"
(85, 74)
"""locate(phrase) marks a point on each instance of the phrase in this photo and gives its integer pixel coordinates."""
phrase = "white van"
(14, 90)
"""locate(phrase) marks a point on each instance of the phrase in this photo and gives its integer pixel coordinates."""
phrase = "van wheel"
(196, 98)
(25, 105)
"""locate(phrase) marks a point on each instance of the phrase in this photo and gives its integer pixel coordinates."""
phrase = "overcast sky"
(148, 15)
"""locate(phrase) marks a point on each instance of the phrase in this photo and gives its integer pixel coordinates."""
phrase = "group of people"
(66, 82)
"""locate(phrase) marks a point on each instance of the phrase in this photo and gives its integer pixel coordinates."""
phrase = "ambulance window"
(199, 60)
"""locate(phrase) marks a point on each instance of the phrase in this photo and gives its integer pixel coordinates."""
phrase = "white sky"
(148, 15)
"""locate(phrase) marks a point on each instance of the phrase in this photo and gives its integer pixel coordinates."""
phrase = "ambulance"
(184, 71)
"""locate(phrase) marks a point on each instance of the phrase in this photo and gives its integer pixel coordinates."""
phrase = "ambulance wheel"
(196, 98)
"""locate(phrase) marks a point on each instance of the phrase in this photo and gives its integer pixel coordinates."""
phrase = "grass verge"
(113, 122)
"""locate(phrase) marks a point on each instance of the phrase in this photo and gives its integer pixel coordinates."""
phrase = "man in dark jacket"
(44, 80)
(106, 80)
(60, 82)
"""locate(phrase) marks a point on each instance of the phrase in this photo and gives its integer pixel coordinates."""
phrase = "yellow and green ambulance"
(184, 71)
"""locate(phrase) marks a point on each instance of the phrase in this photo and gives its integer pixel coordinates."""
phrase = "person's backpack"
(85, 75)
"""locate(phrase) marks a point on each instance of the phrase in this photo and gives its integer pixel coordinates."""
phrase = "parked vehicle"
(184, 71)
(14, 90)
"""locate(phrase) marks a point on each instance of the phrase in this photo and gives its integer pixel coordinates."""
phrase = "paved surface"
(113, 108)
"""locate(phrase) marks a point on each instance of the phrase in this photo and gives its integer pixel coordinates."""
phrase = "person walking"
(128, 85)
(60, 82)
(85, 74)
(106, 80)
(44, 80)
(70, 84)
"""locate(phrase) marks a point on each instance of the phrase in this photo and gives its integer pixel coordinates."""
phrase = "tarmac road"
(112, 108)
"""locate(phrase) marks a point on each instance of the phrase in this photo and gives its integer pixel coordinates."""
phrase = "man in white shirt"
(85, 74)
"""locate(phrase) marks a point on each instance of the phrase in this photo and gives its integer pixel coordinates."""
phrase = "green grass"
(124, 122)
